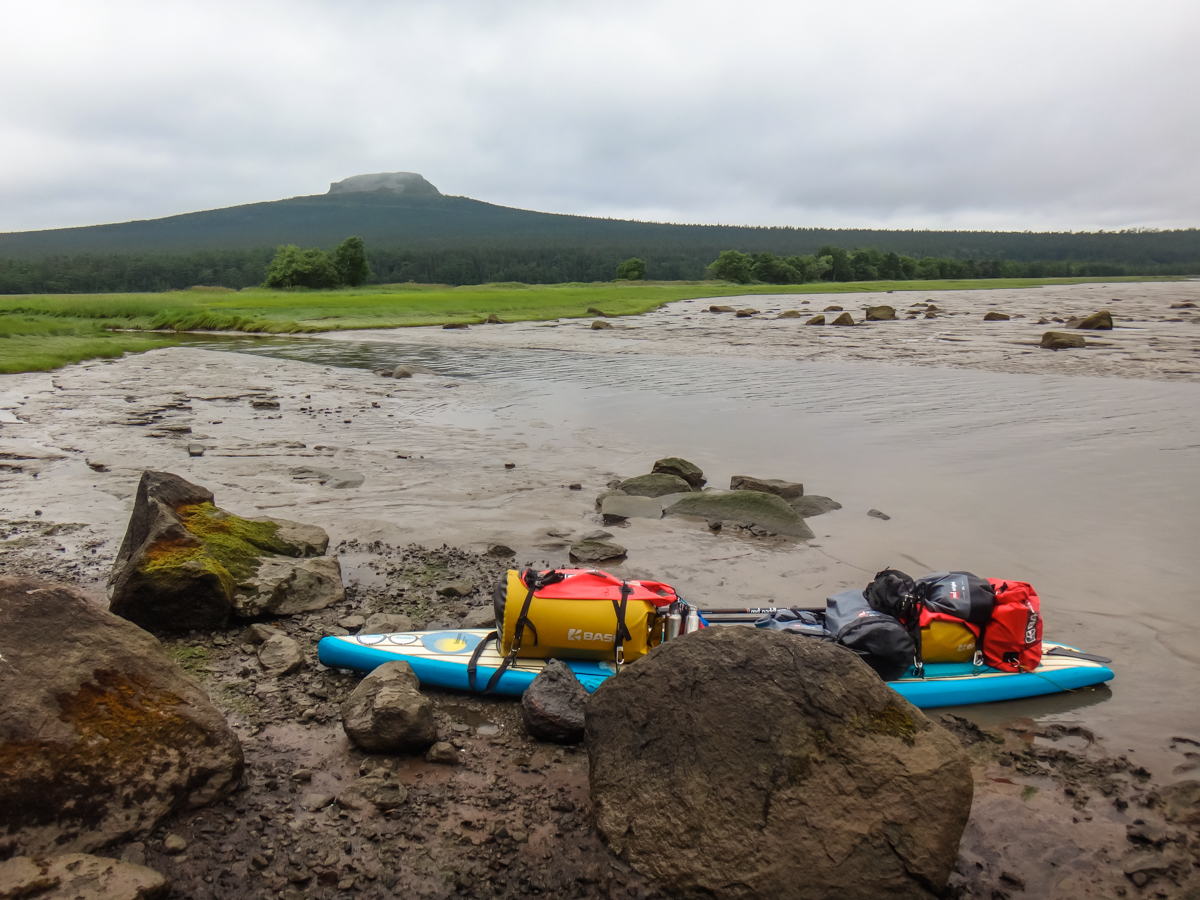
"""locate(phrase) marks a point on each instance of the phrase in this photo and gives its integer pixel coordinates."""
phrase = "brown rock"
(994, 316)
(102, 735)
(788, 490)
(596, 551)
(794, 772)
(816, 320)
(720, 309)
(78, 876)
(880, 313)
(844, 319)
(600, 324)
(833, 309)
(1059, 340)
(387, 712)
(1101, 321)
(789, 314)
(746, 313)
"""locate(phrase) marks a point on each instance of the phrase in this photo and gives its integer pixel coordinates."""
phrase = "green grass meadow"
(43, 332)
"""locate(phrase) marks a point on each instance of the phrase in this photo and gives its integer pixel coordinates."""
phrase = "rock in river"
(600, 324)
(1101, 321)
(78, 876)
(680, 468)
(789, 314)
(768, 512)
(814, 505)
(788, 490)
(102, 735)
(880, 313)
(844, 319)
(596, 551)
(791, 772)
(185, 564)
(994, 316)
(658, 484)
(816, 320)
(387, 712)
(552, 706)
(1060, 340)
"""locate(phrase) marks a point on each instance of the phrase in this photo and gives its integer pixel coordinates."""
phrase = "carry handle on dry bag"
(534, 583)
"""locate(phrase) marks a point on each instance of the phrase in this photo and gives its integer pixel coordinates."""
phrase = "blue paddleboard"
(440, 658)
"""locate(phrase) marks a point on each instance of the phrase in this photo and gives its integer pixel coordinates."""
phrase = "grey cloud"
(1021, 115)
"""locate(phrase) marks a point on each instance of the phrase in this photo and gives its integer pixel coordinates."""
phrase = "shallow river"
(1089, 488)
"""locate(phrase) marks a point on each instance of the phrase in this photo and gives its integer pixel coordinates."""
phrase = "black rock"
(553, 705)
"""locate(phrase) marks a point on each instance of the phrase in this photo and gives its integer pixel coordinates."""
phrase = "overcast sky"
(1014, 115)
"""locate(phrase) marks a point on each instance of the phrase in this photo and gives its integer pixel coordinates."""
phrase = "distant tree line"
(99, 273)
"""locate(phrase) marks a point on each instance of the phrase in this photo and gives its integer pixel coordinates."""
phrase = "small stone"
(552, 707)
(442, 752)
(480, 617)
(519, 837)
(510, 465)
(302, 775)
(746, 313)
(789, 314)
(195, 449)
(501, 551)
(493, 319)
(575, 486)
(596, 551)
(844, 319)
(174, 844)
(458, 588)
(600, 324)
(352, 623)
(279, 655)
(386, 623)
(833, 309)
(134, 853)
(264, 404)
(994, 316)
(258, 633)
(314, 801)
(930, 315)
(816, 320)
(403, 372)
(878, 515)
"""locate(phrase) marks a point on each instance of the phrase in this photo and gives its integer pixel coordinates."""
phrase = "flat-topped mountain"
(408, 183)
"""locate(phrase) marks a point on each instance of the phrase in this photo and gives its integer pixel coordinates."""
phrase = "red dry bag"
(1012, 639)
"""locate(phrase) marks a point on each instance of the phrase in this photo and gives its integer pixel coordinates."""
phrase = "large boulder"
(102, 735)
(552, 707)
(791, 771)
(387, 712)
(78, 876)
(768, 512)
(788, 490)
(658, 484)
(186, 564)
(680, 468)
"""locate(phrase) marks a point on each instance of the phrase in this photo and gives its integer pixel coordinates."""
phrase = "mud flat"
(1075, 470)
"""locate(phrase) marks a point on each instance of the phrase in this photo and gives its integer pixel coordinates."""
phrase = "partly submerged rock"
(844, 319)
(833, 309)
(403, 371)
(1060, 340)
(186, 564)
(600, 324)
(746, 313)
(102, 735)
(1100, 321)
(387, 712)
(720, 309)
(788, 490)
(657, 484)
(876, 514)
(768, 512)
(814, 505)
(994, 316)
(680, 468)
(78, 876)
(597, 551)
(789, 314)
(791, 772)
(880, 313)
(816, 320)
(338, 479)
(552, 707)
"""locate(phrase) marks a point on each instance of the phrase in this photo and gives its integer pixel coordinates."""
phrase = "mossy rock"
(680, 468)
(844, 319)
(654, 485)
(1060, 340)
(880, 313)
(789, 314)
(816, 320)
(767, 511)
(1100, 321)
(994, 316)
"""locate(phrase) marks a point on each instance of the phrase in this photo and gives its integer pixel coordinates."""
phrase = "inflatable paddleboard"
(440, 658)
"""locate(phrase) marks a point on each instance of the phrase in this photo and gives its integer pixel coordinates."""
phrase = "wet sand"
(1073, 470)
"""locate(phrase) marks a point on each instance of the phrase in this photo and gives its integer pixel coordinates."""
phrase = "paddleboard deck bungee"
(440, 658)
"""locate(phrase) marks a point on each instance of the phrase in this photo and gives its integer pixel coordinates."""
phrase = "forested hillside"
(457, 240)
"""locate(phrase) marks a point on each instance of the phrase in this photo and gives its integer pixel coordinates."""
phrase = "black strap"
(475, 654)
(622, 632)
